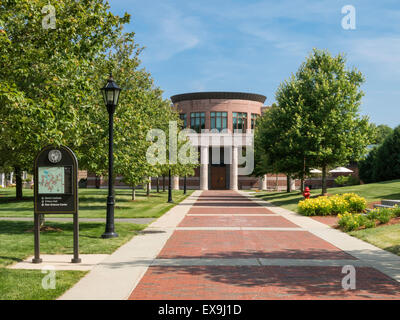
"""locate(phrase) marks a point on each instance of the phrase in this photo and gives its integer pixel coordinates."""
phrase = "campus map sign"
(56, 191)
(56, 171)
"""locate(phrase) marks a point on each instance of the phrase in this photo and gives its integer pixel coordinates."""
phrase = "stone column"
(234, 169)
(263, 182)
(2, 180)
(175, 183)
(293, 184)
(204, 168)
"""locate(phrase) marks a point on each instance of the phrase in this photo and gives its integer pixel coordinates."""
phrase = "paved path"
(229, 245)
(126, 220)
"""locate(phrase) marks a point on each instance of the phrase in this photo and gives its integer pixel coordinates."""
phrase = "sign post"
(56, 191)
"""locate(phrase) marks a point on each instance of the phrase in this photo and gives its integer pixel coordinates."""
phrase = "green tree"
(382, 132)
(44, 73)
(279, 146)
(316, 122)
(386, 161)
(330, 100)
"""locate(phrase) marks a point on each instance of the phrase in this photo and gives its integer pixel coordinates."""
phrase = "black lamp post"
(169, 187)
(111, 95)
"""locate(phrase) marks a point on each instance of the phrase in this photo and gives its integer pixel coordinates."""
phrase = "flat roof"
(218, 95)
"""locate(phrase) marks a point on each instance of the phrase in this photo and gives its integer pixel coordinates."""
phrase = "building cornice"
(218, 95)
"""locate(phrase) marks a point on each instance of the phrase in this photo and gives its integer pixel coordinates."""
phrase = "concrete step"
(382, 206)
(391, 203)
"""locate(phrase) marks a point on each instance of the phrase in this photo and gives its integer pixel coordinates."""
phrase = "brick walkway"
(230, 247)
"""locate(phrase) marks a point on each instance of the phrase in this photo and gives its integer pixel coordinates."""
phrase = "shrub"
(320, 206)
(396, 211)
(337, 204)
(341, 180)
(347, 181)
(357, 203)
(385, 215)
(350, 222)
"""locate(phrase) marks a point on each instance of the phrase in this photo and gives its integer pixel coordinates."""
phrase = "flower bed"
(350, 222)
(333, 205)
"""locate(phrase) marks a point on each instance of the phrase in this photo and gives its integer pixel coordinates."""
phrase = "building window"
(197, 121)
(239, 121)
(219, 120)
(254, 117)
(183, 117)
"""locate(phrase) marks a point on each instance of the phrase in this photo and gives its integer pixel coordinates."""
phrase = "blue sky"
(252, 46)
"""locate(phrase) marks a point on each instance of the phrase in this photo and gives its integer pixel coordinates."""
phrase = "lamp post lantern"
(111, 93)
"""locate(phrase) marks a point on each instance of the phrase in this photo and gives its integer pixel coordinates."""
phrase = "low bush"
(350, 222)
(342, 181)
(396, 211)
(333, 205)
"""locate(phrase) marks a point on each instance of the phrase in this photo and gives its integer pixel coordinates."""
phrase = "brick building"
(219, 112)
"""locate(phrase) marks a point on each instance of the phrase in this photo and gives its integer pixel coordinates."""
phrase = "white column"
(293, 184)
(204, 168)
(234, 169)
(3, 180)
(149, 183)
(11, 177)
(263, 182)
(175, 183)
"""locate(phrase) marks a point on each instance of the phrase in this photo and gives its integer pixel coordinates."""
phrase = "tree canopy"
(316, 121)
(50, 80)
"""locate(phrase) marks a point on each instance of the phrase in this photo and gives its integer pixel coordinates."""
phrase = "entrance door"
(218, 178)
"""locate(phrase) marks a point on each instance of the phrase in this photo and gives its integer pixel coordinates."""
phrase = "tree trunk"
(148, 189)
(97, 182)
(324, 186)
(158, 185)
(134, 193)
(303, 176)
(18, 181)
(276, 183)
(184, 185)
(163, 183)
(288, 184)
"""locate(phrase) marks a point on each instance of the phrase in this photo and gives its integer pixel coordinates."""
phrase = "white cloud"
(170, 32)
(383, 51)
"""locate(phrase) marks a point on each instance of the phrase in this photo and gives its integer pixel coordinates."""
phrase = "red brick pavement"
(252, 282)
(249, 244)
(229, 210)
(237, 221)
(264, 283)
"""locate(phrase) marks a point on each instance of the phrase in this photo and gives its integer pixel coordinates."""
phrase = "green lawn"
(27, 284)
(385, 237)
(372, 192)
(92, 203)
(16, 244)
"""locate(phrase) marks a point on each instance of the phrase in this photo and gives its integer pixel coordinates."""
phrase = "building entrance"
(218, 177)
